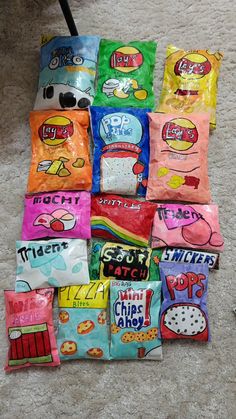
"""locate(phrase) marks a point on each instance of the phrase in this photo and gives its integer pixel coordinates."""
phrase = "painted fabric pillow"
(30, 330)
(67, 72)
(57, 214)
(190, 82)
(125, 74)
(60, 151)
(178, 158)
(123, 262)
(190, 226)
(121, 150)
(135, 308)
(177, 255)
(83, 331)
(184, 310)
(54, 263)
(122, 219)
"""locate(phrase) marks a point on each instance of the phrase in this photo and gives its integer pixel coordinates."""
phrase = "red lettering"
(149, 294)
(133, 273)
(117, 272)
(171, 282)
(185, 281)
(123, 295)
(182, 282)
(192, 280)
(36, 304)
(125, 271)
(110, 269)
(16, 307)
(143, 273)
(200, 292)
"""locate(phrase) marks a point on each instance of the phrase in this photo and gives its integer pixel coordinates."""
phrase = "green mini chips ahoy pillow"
(125, 74)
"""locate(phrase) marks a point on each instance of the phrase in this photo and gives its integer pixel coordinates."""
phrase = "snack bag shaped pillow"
(122, 219)
(135, 308)
(178, 255)
(125, 74)
(121, 150)
(30, 330)
(53, 263)
(67, 72)
(189, 226)
(83, 330)
(60, 151)
(184, 311)
(57, 214)
(123, 262)
(178, 158)
(190, 82)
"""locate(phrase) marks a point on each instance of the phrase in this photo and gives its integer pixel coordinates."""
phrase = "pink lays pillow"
(178, 167)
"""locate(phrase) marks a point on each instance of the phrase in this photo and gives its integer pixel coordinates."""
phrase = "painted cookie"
(102, 317)
(152, 333)
(64, 316)
(68, 348)
(85, 327)
(140, 336)
(128, 337)
(95, 352)
(115, 329)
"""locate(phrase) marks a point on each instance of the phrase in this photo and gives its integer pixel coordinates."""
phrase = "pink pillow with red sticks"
(30, 330)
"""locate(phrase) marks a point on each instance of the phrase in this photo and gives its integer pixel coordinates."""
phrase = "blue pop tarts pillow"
(121, 150)
(135, 308)
(67, 72)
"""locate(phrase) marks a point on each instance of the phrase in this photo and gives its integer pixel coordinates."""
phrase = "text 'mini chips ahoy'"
(134, 316)
(184, 308)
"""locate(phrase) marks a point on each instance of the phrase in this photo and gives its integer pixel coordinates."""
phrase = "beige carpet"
(194, 380)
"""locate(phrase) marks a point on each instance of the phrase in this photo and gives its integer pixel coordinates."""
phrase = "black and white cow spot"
(62, 96)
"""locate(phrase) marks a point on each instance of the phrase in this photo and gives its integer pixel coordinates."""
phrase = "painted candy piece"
(197, 233)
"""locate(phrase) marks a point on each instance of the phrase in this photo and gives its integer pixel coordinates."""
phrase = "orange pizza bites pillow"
(60, 151)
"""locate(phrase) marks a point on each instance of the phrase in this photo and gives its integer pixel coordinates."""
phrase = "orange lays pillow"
(178, 169)
(60, 151)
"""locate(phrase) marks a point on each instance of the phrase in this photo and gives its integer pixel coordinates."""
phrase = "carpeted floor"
(194, 380)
